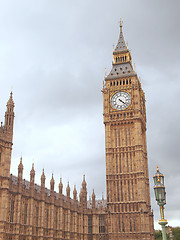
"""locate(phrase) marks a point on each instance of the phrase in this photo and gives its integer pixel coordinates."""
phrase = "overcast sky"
(53, 55)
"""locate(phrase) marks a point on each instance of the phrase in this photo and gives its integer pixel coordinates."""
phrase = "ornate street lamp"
(160, 195)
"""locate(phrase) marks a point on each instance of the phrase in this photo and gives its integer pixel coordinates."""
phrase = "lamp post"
(160, 195)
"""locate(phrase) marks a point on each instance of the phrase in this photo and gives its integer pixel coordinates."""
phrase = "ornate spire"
(43, 178)
(9, 115)
(93, 194)
(93, 199)
(68, 190)
(20, 169)
(75, 193)
(121, 45)
(32, 174)
(10, 101)
(84, 183)
(122, 64)
(60, 186)
(52, 182)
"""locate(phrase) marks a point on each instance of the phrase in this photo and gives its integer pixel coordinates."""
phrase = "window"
(37, 215)
(12, 211)
(90, 224)
(25, 213)
(119, 224)
(101, 224)
(56, 221)
(47, 217)
(71, 221)
(130, 224)
(64, 216)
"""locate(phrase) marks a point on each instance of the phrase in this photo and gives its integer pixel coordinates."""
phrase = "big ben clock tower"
(127, 181)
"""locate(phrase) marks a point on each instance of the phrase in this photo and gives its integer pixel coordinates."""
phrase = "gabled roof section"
(121, 45)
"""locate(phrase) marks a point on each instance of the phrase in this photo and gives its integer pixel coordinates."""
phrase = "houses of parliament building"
(32, 212)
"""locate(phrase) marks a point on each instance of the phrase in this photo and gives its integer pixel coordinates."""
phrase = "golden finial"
(157, 169)
(158, 179)
(134, 67)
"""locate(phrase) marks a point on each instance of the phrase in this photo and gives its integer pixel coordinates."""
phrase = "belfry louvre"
(32, 212)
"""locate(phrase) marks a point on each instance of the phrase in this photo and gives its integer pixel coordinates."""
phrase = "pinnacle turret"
(52, 182)
(43, 178)
(75, 193)
(20, 169)
(9, 115)
(93, 199)
(68, 190)
(84, 183)
(32, 174)
(60, 186)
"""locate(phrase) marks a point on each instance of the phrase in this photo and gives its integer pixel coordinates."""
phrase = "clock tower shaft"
(127, 181)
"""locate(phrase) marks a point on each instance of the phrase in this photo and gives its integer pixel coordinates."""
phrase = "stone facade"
(32, 212)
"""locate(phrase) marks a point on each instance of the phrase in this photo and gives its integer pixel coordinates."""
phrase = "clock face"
(120, 100)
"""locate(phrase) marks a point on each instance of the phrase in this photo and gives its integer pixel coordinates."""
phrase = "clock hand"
(121, 101)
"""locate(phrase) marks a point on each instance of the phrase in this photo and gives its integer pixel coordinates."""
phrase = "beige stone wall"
(27, 214)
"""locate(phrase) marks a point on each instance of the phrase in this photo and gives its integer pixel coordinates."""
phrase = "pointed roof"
(75, 191)
(10, 101)
(20, 167)
(32, 172)
(121, 45)
(122, 65)
(43, 175)
(60, 184)
(52, 179)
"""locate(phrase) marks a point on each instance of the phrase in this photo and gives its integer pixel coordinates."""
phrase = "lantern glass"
(161, 194)
(155, 179)
(161, 178)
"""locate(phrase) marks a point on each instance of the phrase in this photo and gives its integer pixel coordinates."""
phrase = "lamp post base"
(163, 223)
